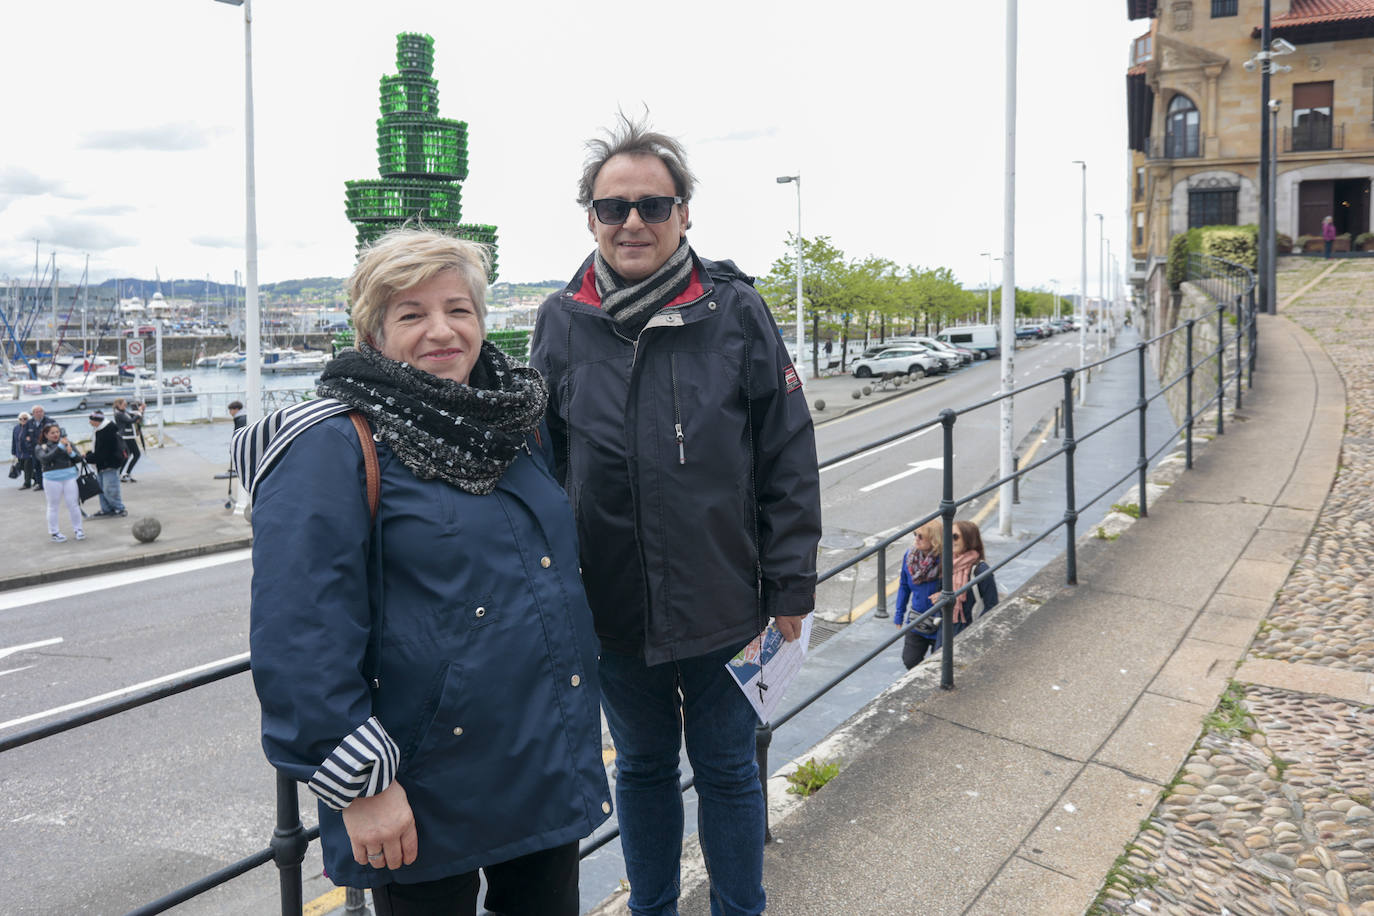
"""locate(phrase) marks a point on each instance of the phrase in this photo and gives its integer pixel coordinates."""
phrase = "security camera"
(1275, 105)
(1281, 47)
(1249, 66)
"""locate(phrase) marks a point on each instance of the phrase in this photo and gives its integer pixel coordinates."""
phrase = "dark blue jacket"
(688, 545)
(484, 652)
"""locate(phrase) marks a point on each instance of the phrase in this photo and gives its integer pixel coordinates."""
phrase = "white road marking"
(15, 670)
(58, 710)
(30, 645)
(22, 597)
(874, 451)
(915, 468)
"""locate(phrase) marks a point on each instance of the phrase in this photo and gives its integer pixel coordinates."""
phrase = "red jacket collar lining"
(588, 294)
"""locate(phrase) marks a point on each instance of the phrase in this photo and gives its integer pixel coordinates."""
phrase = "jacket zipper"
(677, 412)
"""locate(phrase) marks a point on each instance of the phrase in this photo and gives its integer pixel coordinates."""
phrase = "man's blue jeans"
(110, 500)
(648, 718)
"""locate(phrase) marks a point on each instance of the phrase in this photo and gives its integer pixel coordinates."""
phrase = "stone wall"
(1171, 354)
(180, 352)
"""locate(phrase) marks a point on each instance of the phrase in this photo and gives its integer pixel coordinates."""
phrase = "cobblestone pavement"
(1271, 813)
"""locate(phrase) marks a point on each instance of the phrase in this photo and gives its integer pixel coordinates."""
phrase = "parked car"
(909, 360)
(985, 340)
(1028, 332)
(942, 349)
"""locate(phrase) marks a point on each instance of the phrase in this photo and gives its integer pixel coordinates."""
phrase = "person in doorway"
(107, 454)
(127, 417)
(684, 441)
(58, 457)
(1328, 235)
(429, 673)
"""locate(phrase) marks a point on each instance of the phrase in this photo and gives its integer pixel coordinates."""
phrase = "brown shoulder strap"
(374, 476)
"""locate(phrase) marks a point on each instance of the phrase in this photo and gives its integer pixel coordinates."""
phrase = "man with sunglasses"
(682, 436)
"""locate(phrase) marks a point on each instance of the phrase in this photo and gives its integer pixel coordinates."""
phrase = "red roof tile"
(1304, 12)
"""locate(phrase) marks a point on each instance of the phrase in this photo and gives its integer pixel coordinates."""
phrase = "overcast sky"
(124, 135)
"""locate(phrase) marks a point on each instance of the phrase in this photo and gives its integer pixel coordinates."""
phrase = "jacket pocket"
(436, 724)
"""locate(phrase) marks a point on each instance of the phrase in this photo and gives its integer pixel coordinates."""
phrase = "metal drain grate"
(821, 630)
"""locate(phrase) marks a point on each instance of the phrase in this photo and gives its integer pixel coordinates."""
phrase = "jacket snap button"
(546, 562)
(458, 731)
(712, 306)
(606, 807)
(481, 612)
(576, 680)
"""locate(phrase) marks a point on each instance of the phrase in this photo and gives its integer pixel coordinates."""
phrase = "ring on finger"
(374, 856)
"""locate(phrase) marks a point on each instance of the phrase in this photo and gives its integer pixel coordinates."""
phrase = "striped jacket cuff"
(364, 764)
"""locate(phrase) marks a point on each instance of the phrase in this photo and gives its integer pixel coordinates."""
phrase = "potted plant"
(1365, 241)
(1342, 242)
(1308, 243)
(1283, 242)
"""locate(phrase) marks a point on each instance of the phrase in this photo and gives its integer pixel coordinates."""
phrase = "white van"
(980, 338)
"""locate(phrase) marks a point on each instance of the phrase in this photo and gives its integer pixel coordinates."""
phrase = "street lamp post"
(988, 255)
(253, 331)
(1101, 277)
(1083, 288)
(1271, 240)
(801, 327)
(1007, 462)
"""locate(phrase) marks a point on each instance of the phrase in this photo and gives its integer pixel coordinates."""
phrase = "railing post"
(1240, 352)
(1016, 480)
(881, 610)
(763, 736)
(1254, 331)
(1221, 370)
(1070, 505)
(1058, 419)
(355, 903)
(947, 507)
(1142, 405)
(288, 845)
(1188, 388)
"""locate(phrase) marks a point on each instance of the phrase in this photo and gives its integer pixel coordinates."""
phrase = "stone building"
(1194, 119)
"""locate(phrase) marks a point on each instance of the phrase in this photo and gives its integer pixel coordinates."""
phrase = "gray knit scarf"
(633, 304)
(465, 434)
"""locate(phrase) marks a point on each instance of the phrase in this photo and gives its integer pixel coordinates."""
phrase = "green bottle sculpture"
(422, 158)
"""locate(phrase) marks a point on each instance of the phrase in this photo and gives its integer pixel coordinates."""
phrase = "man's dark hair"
(234, 405)
(633, 138)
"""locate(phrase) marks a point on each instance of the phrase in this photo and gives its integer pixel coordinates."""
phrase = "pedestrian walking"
(1328, 235)
(462, 734)
(128, 415)
(58, 458)
(33, 437)
(21, 451)
(918, 581)
(969, 563)
(107, 454)
(684, 441)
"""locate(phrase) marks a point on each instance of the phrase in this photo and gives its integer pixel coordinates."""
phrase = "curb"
(861, 404)
(10, 583)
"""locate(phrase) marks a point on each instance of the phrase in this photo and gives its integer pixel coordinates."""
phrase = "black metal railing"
(1230, 287)
(1305, 138)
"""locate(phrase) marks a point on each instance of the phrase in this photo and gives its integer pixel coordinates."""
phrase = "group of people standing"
(459, 562)
(49, 461)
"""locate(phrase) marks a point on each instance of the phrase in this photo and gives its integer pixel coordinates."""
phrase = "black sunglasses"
(613, 211)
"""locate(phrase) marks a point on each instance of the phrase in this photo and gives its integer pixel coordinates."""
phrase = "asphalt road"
(120, 812)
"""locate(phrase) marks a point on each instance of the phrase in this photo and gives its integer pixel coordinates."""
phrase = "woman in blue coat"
(921, 584)
(431, 675)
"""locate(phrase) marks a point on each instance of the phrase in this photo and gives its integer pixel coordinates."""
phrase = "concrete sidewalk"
(1074, 706)
(175, 485)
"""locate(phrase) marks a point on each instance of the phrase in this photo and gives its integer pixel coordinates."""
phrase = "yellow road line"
(324, 903)
(1311, 283)
(871, 601)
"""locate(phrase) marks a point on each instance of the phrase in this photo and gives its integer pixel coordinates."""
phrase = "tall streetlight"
(801, 327)
(1083, 289)
(1101, 271)
(252, 333)
(988, 255)
(1008, 293)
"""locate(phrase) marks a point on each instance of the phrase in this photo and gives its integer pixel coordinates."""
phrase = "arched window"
(1181, 129)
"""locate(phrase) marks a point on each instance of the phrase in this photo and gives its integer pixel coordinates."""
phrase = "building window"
(1212, 207)
(1141, 51)
(1139, 228)
(1181, 129)
(1312, 116)
(1140, 183)
(1224, 8)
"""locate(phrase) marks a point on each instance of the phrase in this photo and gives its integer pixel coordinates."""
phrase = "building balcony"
(1312, 137)
(1176, 147)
